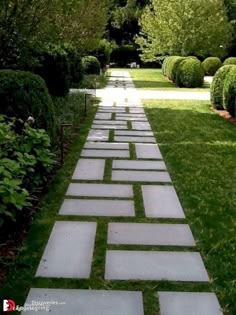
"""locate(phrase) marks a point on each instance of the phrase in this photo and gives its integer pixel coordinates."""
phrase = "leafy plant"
(211, 65)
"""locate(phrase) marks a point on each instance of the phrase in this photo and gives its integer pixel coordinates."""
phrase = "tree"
(189, 27)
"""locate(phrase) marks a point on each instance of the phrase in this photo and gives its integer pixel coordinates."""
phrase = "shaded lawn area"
(199, 149)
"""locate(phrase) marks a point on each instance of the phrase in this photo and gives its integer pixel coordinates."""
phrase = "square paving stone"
(89, 169)
(150, 234)
(105, 153)
(107, 208)
(107, 145)
(141, 176)
(141, 126)
(148, 151)
(103, 116)
(189, 303)
(110, 122)
(69, 251)
(134, 133)
(100, 190)
(162, 202)
(98, 135)
(135, 139)
(110, 127)
(87, 302)
(151, 265)
(138, 165)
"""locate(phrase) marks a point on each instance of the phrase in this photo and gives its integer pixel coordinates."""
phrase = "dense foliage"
(211, 65)
(230, 61)
(229, 92)
(91, 65)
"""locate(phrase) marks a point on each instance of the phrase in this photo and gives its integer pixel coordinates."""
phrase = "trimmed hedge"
(211, 65)
(190, 73)
(172, 67)
(229, 92)
(218, 85)
(230, 61)
(75, 64)
(24, 94)
(164, 65)
(91, 65)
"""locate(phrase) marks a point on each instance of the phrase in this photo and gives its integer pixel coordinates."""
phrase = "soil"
(226, 115)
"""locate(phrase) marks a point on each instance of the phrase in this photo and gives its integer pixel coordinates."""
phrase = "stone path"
(122, 141)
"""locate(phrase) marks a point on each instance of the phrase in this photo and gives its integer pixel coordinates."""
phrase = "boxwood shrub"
(229, 92)
(211, 65)
(190, 73)
(91, 65)
(24, 94)
(218, 85)
(230, 61)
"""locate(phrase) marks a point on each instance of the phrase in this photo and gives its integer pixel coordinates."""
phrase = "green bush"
(211, 65)
(165, 65)
(173, 66)
(75, 65)
(103, 53)
(218, 85)
(229, 92)
(190, 73)
(230, 61)
(91, 65)
(23, 94)
(25, 163)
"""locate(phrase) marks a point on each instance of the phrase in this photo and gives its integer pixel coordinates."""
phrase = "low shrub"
(229, 92)
(218, 85)
(172, 67)
(23, 94)
(165, 65)
(211, 65)
(91, 65)
(230, 61)
(25, 163)
(190, 73)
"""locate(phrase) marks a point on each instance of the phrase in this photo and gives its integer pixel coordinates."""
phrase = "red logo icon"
(8, 305)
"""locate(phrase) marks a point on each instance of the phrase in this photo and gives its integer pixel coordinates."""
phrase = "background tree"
(184, 28)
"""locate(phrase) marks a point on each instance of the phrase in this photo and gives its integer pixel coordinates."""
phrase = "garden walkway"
(121, 175)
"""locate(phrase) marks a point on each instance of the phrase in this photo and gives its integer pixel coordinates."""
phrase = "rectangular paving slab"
(106, 145)
(86, 302)
(110, 122)
(103, 116)
(69, 251)
(98, 135)
(105, 208)
(189, 303)
(105, 153)
(151, 265)
(110, 127)
(136, 110)
(135, 115)
(100, 190)
(138, 165)
(141, 176)
(161, 202)
(150, 234)
(148, 151)
(134, 133)
(135, 139)
(89, 169)
(141, 126)
(131, 118)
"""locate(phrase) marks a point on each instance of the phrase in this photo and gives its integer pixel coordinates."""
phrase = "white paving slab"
(134, 133)
(106, 145)
(147, 151)
(134, 115)
(118, 117)
(69, 251)
(150, 265)
(110, 127)
(161, 202)
(141, 176)
(86, 302)
(150, 234)
(103, 116)
(98, 135)
(100, 190)
(110, 122)
(89, 169)
(135, 139)
(138, 165)
(105, 153)
(189, 303)
(141, 126)
(136, 110)
(108, 208)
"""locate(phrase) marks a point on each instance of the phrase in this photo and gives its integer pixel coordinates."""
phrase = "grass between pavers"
(199, 149)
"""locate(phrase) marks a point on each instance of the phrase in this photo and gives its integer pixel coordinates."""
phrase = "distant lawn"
(199, 149)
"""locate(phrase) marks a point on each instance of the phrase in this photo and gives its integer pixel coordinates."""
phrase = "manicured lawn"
(199, 149)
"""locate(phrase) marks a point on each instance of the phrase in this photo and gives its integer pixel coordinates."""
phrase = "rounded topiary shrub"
(211, 65)
(24, 94)
(229, 92)
(165, 64)
(173, 67)
(230, 61)
(190, 73)
(218, 85)
(91, 65)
